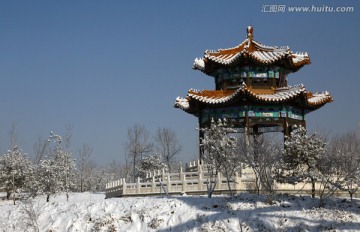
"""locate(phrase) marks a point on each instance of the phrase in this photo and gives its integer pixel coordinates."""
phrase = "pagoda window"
(277, 74)
(271, 74)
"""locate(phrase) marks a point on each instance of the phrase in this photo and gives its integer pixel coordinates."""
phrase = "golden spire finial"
(249, 30)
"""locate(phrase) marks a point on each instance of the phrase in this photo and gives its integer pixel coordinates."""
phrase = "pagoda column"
(303, 122)
(256, 142)
(201, 137)
(286, 126)
(247, 128)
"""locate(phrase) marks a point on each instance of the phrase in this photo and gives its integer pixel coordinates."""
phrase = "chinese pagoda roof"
(251, 51)
(297, 95)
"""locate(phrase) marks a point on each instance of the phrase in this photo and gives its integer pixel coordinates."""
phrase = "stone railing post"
(199, 166)
(183, 181)
(138, 186)
(153, 185)
(168, 183)
(200, 178)
(123, 187)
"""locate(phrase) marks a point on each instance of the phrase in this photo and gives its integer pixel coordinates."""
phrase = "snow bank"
(91, 212)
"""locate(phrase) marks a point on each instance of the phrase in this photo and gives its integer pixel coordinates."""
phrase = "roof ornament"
(249, 30)
(249, 37)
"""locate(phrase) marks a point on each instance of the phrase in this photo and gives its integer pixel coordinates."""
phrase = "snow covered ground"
(91, 212)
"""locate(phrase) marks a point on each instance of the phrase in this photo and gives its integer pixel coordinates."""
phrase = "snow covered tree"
(137, 146)
(55, 173)
(219, 155)
(299, 161)
(150, 164)
(67, 175)
(167, 145)
(260, 154)
(15, 169)
(46, 179)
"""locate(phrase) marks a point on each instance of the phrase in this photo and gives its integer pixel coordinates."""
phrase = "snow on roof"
(319, 98)
(218, 97)
(250, 49)
(182, 103)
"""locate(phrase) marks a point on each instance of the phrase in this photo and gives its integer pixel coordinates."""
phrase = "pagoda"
(251, 89)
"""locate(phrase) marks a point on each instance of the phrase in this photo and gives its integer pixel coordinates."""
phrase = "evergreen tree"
(55, 173)
(15, 169)
(150, 164)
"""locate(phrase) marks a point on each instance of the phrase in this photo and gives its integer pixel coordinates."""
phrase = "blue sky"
(105, 65)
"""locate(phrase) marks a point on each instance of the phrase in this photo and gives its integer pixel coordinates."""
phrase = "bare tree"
(40, 150)
(84, 158)
(137, 146)
(343, 162)
(261, 155)
(12, 136)
(93, 176)
(167, 145)
(126, 169)
(68, 135)
(115, 170)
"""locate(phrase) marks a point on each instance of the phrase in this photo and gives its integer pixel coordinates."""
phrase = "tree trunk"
(210, 187)
(211, 190)
(257, 184)
(312, 187)
(230, 190)
(48, 198)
